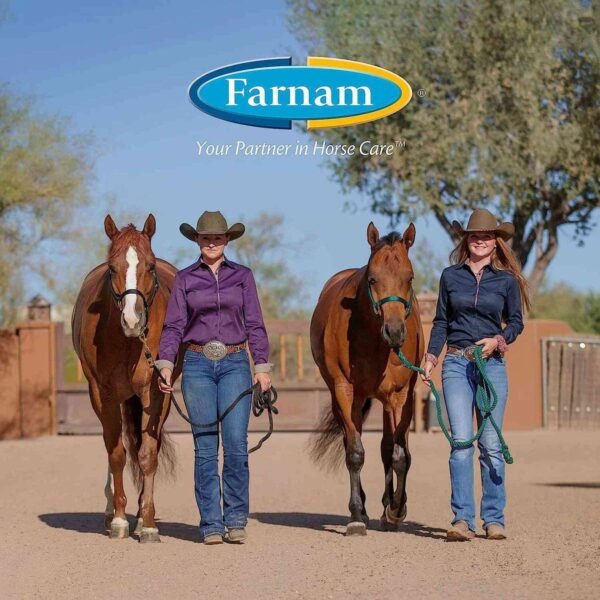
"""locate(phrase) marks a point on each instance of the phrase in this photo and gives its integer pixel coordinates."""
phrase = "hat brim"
(233, 233)
(505, 231)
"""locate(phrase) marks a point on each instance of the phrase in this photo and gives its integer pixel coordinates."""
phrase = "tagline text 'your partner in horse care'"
(317, 148)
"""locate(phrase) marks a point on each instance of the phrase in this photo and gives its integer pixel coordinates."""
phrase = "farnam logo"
(327, 92)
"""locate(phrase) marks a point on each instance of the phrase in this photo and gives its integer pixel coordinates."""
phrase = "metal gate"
(570, 380)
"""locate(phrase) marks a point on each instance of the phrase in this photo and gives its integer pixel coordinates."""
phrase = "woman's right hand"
(427, 367)
(162, 386)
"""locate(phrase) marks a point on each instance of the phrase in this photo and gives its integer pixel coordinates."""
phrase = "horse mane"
(388, 240)
(130, 236)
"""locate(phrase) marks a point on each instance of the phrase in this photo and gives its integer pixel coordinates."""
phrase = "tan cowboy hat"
(212, 223)
(483, 220)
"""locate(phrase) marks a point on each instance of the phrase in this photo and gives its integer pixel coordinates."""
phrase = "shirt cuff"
(263, 368)
(502, 345)
(164, 364)
(431, 358)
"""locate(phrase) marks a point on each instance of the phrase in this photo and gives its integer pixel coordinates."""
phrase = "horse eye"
(372, 281)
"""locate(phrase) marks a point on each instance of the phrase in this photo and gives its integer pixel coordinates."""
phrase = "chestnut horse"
(363, 315)
(119, 300)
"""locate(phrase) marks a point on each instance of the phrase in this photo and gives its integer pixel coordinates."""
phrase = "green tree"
(560, 301)
(509, 119)
(592, 309)
(264, 249)
(44, 175)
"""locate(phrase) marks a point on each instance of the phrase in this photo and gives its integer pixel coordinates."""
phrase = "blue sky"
(122, 69)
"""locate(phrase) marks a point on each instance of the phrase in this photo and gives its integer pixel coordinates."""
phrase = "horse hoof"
(149, 535)
(390, 521)
(356, 528)
(119, 529)
(108, 521)
(139, 526)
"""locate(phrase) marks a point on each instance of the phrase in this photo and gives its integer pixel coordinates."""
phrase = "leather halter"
(118, 298)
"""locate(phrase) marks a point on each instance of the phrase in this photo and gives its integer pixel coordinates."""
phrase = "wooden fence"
(571, 382)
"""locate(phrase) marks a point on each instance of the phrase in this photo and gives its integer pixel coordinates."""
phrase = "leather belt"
(468, 352)
(216, 350)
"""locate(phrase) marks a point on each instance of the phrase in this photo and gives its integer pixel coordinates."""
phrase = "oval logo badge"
(327, 92)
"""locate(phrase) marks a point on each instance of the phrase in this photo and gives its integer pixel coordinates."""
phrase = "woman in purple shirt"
(214, 310)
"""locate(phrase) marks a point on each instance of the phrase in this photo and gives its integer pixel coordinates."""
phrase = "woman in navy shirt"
(480, 292)
(214, 309)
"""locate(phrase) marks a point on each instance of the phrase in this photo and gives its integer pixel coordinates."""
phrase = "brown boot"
(495, 532)
(460, 532)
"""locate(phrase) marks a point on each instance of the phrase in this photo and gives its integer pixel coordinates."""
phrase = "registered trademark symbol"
(421, 92)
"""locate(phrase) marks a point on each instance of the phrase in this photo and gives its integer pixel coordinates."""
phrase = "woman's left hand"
(264, 379)
(489, 346)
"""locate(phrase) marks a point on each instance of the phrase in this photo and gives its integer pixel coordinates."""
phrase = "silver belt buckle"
(215, 350)
(469, 353)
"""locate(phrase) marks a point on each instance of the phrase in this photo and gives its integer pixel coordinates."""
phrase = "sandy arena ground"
(53, 543)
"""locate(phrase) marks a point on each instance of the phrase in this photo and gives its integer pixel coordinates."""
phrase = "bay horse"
(361, 316)
(119, 300)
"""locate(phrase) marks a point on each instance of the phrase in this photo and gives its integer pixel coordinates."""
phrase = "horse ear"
(150, 226)
(110, 227)
(408, 237)
(372, 235)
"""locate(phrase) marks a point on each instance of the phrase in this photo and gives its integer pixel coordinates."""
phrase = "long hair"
(503, 259)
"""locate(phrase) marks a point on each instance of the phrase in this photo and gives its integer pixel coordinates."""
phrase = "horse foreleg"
(387, 448)
(153, 417)
(395, 512)
(109, 511)
(111, 428)
(350, 413)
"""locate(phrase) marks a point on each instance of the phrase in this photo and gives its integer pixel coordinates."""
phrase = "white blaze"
(131, 284)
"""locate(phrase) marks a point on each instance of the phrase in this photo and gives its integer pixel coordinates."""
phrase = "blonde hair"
(503, 259)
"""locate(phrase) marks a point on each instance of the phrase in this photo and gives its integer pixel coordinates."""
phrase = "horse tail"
(132, 432)
(327, 445)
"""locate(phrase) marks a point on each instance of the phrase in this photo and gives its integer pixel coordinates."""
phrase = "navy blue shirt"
(469, 310)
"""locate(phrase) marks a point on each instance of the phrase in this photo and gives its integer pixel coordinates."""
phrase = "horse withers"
(120, 300)
(362, 317)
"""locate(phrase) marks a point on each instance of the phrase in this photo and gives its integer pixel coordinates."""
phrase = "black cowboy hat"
(212, 223)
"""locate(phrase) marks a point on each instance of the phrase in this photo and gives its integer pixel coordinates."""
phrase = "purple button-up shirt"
(205, 307)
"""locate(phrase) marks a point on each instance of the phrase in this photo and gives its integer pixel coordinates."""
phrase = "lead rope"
(485, 390)
(261, 401)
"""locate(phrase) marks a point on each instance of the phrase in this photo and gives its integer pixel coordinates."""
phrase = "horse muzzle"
(394, 335)
(137, 329)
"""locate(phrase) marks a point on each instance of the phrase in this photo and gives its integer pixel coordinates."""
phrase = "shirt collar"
(491, 267)
(200, 263)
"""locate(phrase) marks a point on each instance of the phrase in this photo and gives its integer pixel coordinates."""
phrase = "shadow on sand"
(337, 523)
(93, 522)
(584, 485)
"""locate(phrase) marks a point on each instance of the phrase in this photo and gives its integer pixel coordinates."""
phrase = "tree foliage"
(581, 310)
(509, 119)
(44, 175)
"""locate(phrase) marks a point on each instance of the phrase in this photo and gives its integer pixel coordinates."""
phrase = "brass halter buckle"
(215, 350)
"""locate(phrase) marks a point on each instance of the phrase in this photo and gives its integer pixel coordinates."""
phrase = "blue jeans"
(209, 388)
(459, 380)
